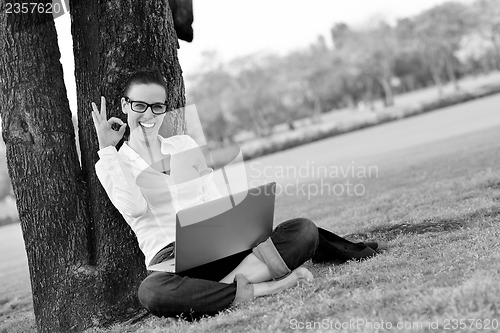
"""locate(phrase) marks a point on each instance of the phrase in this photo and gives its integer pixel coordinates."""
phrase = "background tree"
(488, 25)
(381, 47)
(85, 265)
(256, 104)
(313, 69)
(409, 66)
(213, 93)
(370, 54)
(438, 32)
(348, 73)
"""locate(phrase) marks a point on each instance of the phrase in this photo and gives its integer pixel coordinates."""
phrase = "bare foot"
(300, 274)
(303, 274)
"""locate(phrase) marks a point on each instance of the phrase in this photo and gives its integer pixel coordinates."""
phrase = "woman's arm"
(119, 183)
(210, 190)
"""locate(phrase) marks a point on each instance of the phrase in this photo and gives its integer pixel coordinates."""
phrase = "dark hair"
(151, 75)
(144, 76)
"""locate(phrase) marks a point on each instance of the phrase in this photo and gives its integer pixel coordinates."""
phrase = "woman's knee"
(302, 231)
(157, 292)
(307, 235)
(147, 292)
(296, 240)
(170, 295)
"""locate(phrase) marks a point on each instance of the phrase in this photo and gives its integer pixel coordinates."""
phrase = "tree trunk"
(451, 74)
(410, 82)
(316, 110)
(85, 265)
(437, 79)
(496, 51)
(368, 96)
(44, 168)
(388, 95)
(260, 125)
(432, 59)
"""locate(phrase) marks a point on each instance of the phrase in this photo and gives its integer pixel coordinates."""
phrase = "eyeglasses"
(141, 107)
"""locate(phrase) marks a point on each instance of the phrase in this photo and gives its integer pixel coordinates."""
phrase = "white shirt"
(149, 199)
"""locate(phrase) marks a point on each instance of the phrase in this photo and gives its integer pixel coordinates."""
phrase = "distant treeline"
(435, 47)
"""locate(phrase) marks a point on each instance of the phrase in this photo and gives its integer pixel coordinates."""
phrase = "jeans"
(197, 292)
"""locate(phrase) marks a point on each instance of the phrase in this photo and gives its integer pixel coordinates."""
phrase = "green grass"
(437, 206)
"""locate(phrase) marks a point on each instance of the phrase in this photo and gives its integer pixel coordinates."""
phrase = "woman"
(140, 180)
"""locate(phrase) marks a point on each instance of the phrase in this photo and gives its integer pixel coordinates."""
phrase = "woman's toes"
(304, 274)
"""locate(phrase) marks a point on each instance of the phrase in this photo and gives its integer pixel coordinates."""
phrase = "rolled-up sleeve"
(119, 184)
(210, 189)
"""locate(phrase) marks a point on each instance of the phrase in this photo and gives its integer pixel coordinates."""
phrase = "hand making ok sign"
(106, 135)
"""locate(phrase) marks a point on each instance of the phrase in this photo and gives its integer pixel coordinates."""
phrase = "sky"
(235, 28)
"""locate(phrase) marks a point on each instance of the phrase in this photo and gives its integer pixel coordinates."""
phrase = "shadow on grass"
(493, 184)
(389, 232)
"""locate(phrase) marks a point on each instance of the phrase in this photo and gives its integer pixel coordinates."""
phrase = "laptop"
(234, 224)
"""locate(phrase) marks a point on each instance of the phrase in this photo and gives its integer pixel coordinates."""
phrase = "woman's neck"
(146, 149)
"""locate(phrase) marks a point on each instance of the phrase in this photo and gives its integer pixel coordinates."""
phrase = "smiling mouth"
(146, 125)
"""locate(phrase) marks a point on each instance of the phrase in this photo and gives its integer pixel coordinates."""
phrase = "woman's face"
(147, 124)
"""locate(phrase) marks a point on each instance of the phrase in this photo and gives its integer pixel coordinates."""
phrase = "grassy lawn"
(16, 302)
(438, 207)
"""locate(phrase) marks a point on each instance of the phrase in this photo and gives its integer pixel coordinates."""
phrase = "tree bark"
(84, 261)
(43, 165)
